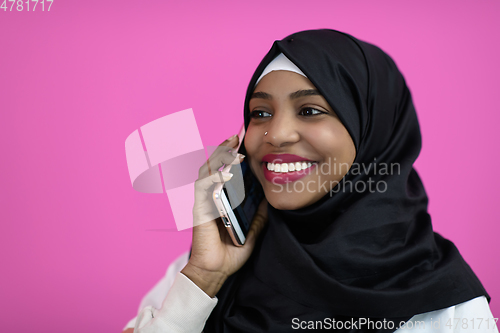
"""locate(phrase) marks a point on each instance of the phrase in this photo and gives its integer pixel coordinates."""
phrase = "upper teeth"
(288, 167)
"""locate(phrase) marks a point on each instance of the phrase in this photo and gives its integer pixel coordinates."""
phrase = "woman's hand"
(214, 257)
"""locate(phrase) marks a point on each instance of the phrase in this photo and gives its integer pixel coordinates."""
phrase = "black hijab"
(352, 254)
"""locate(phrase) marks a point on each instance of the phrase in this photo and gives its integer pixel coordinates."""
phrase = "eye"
(259, 114)
(309, 111)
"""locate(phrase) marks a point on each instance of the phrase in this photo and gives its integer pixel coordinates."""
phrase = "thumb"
(258, 223)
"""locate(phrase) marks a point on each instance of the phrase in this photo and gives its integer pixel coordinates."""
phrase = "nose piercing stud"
(265, 133)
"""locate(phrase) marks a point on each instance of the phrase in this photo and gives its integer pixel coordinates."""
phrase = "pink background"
(78, 245)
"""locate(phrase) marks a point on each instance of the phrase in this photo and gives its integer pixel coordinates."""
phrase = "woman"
(349, 245)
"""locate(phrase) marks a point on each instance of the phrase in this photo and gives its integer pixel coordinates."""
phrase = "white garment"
(280, 63)
(176, 304)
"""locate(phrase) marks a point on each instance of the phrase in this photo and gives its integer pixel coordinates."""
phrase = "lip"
(284, 158)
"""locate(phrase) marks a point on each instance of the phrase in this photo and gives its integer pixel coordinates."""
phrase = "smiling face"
(301, 128)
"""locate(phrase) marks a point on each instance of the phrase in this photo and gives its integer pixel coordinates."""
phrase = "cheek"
(251, 142)
(324, 139)
(252, 146)
(251, 137)
(333, 141)
(344, 150)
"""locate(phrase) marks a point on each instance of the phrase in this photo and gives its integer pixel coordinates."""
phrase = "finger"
(205, 183)
(238, 159)
(217, 158)
(224, 148)
(223, 158)
(259, 222)
(231, 158)
(231, 141)
(228, 163)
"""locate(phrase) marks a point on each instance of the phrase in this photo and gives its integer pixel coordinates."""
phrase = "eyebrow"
(294, 95)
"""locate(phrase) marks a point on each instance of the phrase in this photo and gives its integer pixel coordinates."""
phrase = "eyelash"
(253, 113)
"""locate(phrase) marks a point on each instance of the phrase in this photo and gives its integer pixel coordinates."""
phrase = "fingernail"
(235, 154)
(233, 137)
(226, 175)
(241, 156)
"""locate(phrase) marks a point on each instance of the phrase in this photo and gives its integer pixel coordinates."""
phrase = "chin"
(285, 202)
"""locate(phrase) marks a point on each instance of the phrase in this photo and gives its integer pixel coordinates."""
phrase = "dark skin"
(299, 124)
(299, 121)
(213, 256)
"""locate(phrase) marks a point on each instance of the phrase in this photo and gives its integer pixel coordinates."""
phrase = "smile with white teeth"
(289, 167)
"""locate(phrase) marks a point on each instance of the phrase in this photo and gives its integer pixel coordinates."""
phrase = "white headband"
(280, 63)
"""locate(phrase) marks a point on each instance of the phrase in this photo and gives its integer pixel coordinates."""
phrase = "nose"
(282, 130)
